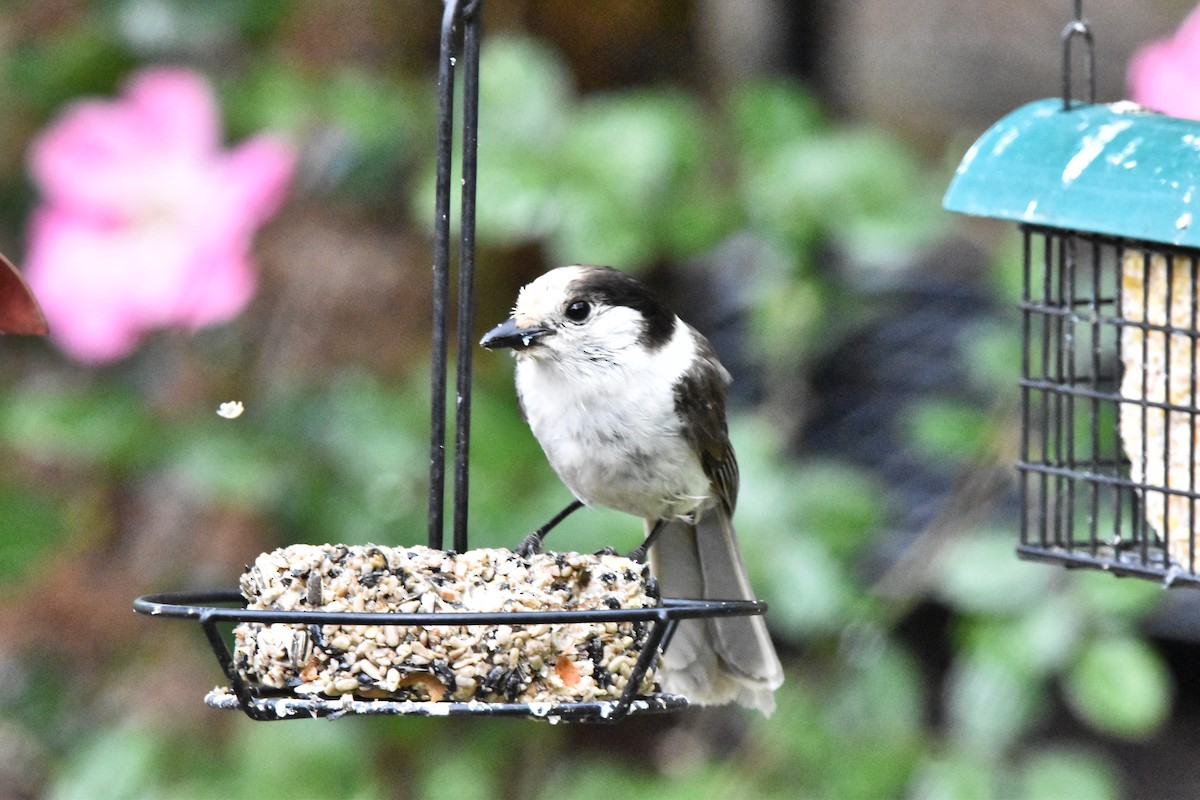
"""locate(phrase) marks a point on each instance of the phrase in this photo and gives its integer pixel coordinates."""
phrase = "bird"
(628, 403)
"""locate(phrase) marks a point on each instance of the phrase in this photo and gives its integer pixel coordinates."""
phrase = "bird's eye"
(578, 310)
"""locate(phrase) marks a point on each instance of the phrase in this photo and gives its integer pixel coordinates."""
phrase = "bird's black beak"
(509, 334)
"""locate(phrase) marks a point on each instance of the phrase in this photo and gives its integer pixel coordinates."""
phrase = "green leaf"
(225, 464)
(305, 758)
(782, 502)
(989, 705)
(84, 61)
(956, 777)
(1036, 643)
(525, 93)
(120, 762)
(1068, 775)
(595, 228)
(30, 527)
(948, 429)
(981, 573)
(636, 146)
(518, 197)
(81, 428)
(1120, 686)
(1116, 599)
(992, 356)
(807, 589)
(770, 114)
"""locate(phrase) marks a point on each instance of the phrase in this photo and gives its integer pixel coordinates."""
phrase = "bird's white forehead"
(539, 298)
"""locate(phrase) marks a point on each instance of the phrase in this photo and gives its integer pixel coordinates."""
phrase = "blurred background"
(773, 167)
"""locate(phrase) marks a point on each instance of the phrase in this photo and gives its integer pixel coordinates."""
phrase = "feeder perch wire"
(1104, 196)
(460, 26)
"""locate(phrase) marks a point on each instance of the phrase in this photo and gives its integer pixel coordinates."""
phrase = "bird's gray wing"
(700, 404)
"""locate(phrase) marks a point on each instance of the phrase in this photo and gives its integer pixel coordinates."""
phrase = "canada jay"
(628, 402)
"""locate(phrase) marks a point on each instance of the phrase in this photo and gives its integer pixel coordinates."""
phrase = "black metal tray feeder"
(217, 611)
(1105, 197)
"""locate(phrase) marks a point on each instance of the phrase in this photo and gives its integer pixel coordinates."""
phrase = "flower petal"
(1165, 75)
(146, 221)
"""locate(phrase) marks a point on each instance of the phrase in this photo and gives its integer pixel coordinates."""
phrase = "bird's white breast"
(610, 429)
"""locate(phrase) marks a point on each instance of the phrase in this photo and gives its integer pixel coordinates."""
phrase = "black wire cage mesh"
(1109, 404)
(218, 612)
(1103, 197)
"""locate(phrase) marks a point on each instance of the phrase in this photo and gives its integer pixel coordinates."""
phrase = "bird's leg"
(639, 553)
(533, 542)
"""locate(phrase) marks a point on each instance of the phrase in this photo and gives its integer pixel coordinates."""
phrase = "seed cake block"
(569, 662)
(1161, 367)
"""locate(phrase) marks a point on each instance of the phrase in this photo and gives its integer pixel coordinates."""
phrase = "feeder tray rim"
(288, 707)
(198, 605)
(1149, 567)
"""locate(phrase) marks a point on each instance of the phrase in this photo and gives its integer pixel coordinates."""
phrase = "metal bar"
(1047, 267)
(1096, 333)
(208, 621)
(466, 270)
(285, 707)
(1191, 360)
(1078, 27)
(1067, 346)
(650, 648)
(1118, 292)
(198, 606)
(1168, 339)
(439, 346)
(1074, 316)
(1143, 525)
(1061, 510)
(1114, 565)
(1065, 473)
(1026, 393)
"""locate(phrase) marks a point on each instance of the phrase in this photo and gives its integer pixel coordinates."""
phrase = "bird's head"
(583, 313)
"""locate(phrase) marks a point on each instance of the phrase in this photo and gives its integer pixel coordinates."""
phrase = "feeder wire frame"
(460, 33)
(1084, 502)
(214, 609)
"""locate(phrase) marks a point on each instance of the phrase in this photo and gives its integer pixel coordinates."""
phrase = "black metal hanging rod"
(1078, 27)
(460, 17)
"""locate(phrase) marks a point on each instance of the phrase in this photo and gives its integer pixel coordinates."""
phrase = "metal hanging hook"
(1078, 27)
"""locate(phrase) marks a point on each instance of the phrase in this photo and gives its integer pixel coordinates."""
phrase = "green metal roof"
(1114, 169)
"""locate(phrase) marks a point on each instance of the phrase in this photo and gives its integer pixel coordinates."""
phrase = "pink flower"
(1165, 75)
(146, 222)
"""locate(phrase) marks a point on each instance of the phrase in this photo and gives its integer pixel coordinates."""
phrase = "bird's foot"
(606, 551)
(637, 554)
(531, 546)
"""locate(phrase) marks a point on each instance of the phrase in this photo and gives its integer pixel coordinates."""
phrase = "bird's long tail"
(722, 659)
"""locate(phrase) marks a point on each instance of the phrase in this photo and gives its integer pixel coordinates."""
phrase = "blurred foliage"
(639, 178)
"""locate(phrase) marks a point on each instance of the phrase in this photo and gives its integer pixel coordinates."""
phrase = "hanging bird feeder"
(302, 644)
(1107, 198)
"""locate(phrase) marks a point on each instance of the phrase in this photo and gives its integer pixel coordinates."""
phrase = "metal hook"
(1078, 27)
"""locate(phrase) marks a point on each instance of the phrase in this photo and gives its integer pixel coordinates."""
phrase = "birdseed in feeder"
(1160, 368)
(568, 662)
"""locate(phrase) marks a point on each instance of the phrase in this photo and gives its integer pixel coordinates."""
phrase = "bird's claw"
(531, 546)
(637, 554)
(605, 551)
